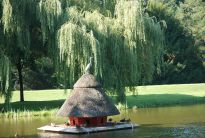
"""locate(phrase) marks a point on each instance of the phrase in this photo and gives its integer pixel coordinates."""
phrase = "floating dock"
(84, 130)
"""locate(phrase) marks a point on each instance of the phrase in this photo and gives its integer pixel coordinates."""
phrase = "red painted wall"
(88, 121)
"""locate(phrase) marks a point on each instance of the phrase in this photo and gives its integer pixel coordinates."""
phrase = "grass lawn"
(38, 101)
(186, 89)
(39, 95)
(166, 95)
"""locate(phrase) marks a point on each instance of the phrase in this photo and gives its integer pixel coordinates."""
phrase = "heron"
(89, 66)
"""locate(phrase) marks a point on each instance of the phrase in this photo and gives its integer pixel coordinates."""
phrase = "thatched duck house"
(87, 105)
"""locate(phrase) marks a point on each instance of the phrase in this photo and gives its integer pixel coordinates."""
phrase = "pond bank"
(47, 102)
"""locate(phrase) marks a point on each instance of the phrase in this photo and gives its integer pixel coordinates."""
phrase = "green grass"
(37, 103)
(167, 95)
(47, 102)
(153, 100)
(184, 89)
(39, 95)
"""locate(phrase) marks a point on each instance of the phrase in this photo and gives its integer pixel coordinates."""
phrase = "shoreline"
(18, 112)
(47, 102)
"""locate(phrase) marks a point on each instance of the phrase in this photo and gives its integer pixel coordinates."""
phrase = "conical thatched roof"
(87, 81)
(87, 100)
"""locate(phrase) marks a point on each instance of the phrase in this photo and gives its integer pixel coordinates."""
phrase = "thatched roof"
(87, 102)
(87, 81)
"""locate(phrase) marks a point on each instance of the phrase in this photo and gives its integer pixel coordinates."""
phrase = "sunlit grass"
(47, 102)
(186, 89)
(39, 95)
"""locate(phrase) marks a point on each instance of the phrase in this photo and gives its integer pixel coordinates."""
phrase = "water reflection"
(189, 131)
(180, 122)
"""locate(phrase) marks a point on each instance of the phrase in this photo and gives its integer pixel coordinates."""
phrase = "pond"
(169, 122)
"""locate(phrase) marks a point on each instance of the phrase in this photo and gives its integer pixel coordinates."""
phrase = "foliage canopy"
(125, 42)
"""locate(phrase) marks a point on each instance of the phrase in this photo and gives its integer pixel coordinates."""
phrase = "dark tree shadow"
(160, 100)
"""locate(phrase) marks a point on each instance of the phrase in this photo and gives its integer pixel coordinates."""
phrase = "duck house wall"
(88, 121)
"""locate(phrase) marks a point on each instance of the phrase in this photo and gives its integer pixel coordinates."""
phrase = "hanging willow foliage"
(16, 20)
(126, 44)
(49, 14)
(5, 78)
(76, 46)
(7, 15)
(126, 48)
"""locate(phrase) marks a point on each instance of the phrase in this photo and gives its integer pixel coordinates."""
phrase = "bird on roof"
(89, 66)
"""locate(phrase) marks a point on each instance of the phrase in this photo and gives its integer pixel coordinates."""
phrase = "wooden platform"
(83, 130)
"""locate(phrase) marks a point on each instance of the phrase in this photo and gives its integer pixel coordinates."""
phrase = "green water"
(166, 122)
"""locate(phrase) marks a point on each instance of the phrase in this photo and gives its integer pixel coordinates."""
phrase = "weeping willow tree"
(126, 43)
(16, 21)
(5, 78)
(127, 47)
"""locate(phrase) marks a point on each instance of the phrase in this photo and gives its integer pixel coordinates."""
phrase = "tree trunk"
(19, 68)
